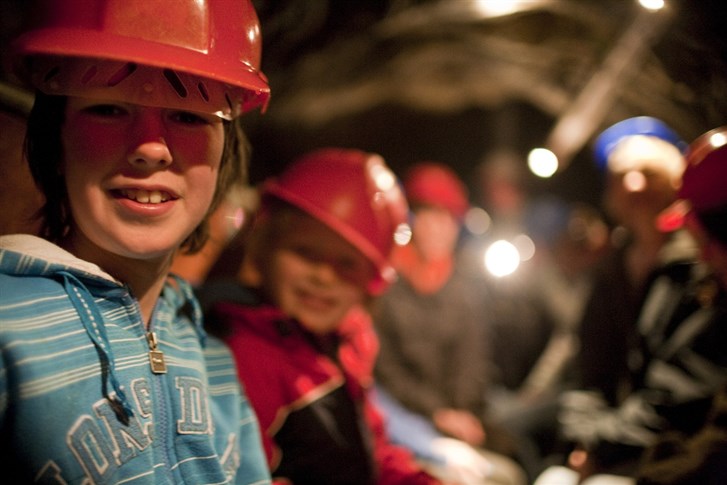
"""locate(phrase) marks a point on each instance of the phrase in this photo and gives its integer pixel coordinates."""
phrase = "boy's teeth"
(146, 196)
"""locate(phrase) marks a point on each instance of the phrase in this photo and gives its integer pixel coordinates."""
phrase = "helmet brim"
(85, 43)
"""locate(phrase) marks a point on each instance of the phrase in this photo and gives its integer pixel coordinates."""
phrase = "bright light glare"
(494, 8)
(634, 181)
(498, 8)
(402, 235)
(542, 162)
(501, 258)
(383, 177)
(237, 219)
(477, 220)
(717, 140)
(652, 4)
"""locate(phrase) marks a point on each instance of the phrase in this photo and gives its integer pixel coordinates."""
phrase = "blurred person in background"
(431, 324)
(689, 457)
(518, 321)
(642, 161)
(534, 296)
(570, 244)
(677, 363)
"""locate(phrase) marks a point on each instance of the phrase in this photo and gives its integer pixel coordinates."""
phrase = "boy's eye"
(188, 118)
(353, 269)
(105, 110)
(347, 265)
(306, 253)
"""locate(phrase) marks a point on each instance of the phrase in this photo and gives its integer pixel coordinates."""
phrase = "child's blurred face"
(435, 233)
(637, 196)
(139, 179)
(316, 276)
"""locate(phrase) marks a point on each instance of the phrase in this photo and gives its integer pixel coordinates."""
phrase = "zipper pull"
(156, 357)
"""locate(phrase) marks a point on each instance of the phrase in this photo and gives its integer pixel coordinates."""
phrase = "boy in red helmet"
(106, 374)
(305, 348)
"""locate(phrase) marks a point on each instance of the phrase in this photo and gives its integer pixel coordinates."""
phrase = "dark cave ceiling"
(440, 79)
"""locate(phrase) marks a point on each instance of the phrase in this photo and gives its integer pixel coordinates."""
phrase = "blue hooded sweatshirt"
(89, 395)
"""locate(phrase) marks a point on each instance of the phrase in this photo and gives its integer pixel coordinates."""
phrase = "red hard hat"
(703, 181)
(705, 178)
(355, 194)
(208, 51)
(433, 183)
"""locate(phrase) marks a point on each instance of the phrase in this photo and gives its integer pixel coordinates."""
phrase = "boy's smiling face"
(139, 179)
(314, 275)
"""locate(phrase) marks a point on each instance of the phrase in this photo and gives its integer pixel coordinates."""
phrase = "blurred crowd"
(603, 341)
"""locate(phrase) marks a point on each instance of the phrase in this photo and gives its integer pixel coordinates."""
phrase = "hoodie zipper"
(158, 397)
(156, 356)
(158, 367)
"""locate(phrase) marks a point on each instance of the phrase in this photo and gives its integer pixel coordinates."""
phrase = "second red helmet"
(354, 193)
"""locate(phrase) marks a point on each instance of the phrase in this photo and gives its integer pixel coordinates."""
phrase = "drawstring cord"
(94, 325)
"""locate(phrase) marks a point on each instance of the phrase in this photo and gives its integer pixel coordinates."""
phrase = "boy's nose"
(150, 149)
(325, 271)
(152, 153)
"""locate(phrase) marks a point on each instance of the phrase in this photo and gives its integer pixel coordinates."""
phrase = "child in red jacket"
(295, 320)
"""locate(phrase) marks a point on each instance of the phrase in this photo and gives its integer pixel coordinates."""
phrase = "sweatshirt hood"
(39, 257)
(31, 256)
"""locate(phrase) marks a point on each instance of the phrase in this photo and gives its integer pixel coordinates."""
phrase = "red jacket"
(311, 396)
